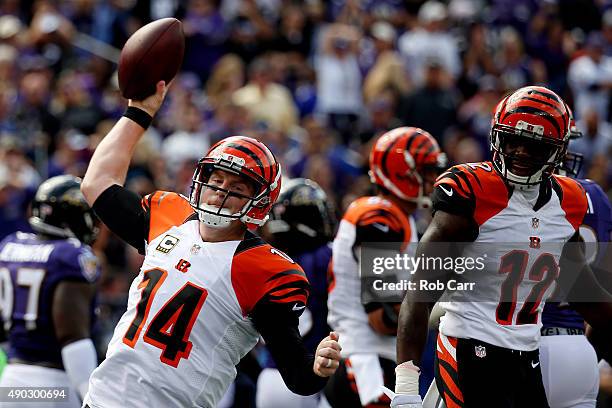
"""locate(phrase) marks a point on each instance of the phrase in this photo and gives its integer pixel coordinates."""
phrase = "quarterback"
(208, 287)
(487, 351)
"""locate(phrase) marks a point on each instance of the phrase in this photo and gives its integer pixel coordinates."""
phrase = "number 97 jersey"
(187, 321)
(522, 232)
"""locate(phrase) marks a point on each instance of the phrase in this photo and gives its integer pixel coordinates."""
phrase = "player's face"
(525, 156)
(239, 188)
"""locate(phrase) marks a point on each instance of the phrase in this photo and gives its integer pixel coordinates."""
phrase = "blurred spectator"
(7, 104)
(51, 33)
(475, 114)
(381, 41)
(188, 143)
(430, 39)
(433, 106)
(206, 32)
(18, 183)
(266, 100)
(594, 145)
(590, 78)
(545, 41)
(381, 118)
(227, 77)
(230, 119)
(294, 31)
(73, 103)
(388, 74)
(32, 115)
(339, 79)
(8, 68)
(71, 155)
(606, 29)
(477, 59)
(516, 69)
(251, 24)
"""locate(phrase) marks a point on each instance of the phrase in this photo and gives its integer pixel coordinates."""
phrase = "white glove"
(403, 400)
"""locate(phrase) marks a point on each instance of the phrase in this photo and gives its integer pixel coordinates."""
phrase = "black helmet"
(59, 209)
(302, 219)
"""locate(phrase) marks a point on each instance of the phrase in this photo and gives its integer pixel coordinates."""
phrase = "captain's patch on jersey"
(167, 243)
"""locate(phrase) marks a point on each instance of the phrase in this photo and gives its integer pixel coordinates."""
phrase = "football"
(151, 54)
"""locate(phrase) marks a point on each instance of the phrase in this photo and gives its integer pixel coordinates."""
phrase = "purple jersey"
(30, 270)
(596, 227)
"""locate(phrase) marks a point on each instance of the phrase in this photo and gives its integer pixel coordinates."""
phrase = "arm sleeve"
(454, 194)
(278, 325)
(121, 210)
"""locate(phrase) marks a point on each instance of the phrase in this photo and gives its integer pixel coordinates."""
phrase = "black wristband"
(139, 116)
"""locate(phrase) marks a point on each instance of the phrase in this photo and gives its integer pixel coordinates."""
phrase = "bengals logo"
(534, 242)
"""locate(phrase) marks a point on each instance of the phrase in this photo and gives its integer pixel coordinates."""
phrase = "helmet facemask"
(220, 217)
(546, 154)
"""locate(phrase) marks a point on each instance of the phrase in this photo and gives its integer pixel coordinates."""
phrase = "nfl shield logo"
(535, 223)
(480, 351)
(195, 249)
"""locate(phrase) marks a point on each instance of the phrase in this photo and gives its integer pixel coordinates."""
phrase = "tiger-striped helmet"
(533, 115)
(245, 157)
(400, 159)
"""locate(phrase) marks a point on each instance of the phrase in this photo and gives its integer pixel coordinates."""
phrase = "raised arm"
(111, 159)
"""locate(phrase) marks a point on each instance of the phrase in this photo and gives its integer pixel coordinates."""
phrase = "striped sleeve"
(453, 192)
(263, 274)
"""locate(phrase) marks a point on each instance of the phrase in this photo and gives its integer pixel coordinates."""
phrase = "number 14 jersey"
(187, 321)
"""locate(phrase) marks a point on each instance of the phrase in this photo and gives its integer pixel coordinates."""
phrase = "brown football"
(151, 54)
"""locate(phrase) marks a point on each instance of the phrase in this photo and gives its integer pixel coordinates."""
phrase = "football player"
(208, 287)
(302, 224)
(404, 164)
(563, 344)
(48, 295)
(487, 352)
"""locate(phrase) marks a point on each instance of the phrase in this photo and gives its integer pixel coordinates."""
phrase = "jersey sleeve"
(379, 225)
(277, 322)
(263, 274)
(139, 220)
(121, 211)
(76, 262)
(573, 200)
(454, 194)
(163, 210)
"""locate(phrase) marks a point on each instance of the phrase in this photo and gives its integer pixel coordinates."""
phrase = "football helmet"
(246, 157)
(533, 116)
(400, 160)
(59, 209)
(573, 161)
(303, 218)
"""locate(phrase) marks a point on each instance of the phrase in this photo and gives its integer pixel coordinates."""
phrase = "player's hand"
(327, 356)
(151, 104)
(403, 400)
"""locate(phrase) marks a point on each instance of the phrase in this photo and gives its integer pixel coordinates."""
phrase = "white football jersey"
(523, 247)
(186, 326)
(346, 313)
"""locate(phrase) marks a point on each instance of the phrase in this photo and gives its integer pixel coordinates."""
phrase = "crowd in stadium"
(316, 81)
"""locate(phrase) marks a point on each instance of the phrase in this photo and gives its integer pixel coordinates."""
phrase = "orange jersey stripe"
(261, 271)
(450, 384)
(368, 210)
(165, 210)
(574, 202)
